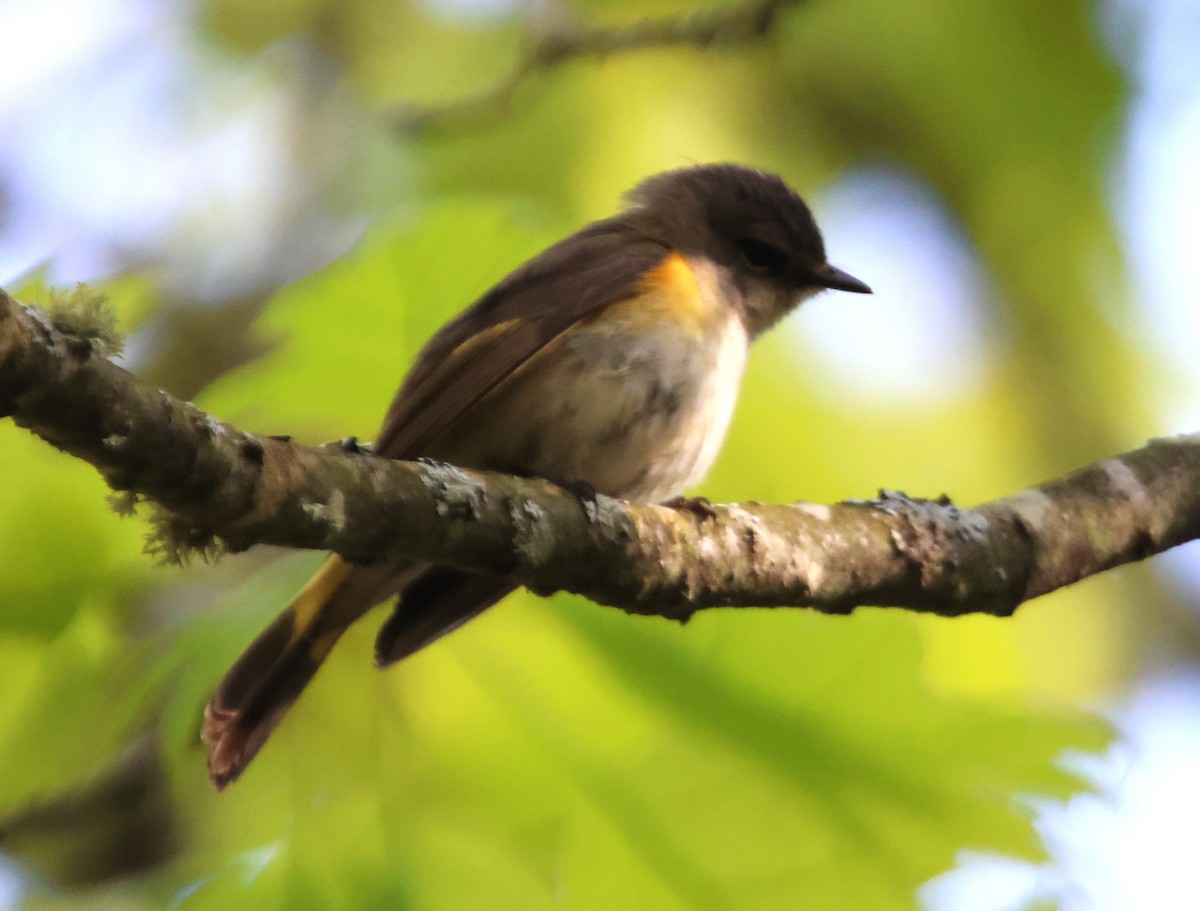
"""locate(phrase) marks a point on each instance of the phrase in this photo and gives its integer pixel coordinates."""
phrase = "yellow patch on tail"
(306, 606)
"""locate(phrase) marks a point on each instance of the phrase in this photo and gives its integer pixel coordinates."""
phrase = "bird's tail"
(265, 681)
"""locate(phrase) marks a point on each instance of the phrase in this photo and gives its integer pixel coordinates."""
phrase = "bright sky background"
(116, 133)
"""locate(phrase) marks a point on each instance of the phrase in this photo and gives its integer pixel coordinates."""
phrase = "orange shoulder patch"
(671, 292)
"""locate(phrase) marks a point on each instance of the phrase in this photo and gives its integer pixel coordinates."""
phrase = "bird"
(610, 363)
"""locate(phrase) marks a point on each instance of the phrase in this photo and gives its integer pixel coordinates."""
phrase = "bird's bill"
(832, 277)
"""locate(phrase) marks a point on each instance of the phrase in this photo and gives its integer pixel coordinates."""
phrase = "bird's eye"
(758, 255)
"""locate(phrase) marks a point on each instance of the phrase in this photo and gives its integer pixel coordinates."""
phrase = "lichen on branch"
(219, 482)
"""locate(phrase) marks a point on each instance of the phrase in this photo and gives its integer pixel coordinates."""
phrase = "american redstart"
(610, 361)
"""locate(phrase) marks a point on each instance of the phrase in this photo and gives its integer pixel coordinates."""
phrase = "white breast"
(654, 419)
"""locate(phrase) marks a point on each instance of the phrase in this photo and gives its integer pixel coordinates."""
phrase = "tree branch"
(721, 26)
(894, 551)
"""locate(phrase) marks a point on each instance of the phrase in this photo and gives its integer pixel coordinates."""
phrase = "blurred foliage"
(553, 752)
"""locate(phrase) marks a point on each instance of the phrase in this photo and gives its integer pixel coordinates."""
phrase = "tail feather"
(265, 681)
(236, 735)
(270, 675)
(437, 602)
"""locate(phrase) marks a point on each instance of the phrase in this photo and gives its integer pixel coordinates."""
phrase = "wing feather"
(600, 265)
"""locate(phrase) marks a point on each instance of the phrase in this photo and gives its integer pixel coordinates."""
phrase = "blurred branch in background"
(120, 824)
(221, 483)
(558, 41)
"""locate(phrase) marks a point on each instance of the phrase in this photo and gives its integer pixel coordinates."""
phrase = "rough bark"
(893, 551)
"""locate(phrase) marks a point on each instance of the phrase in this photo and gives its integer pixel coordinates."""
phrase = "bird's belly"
(635, 411)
